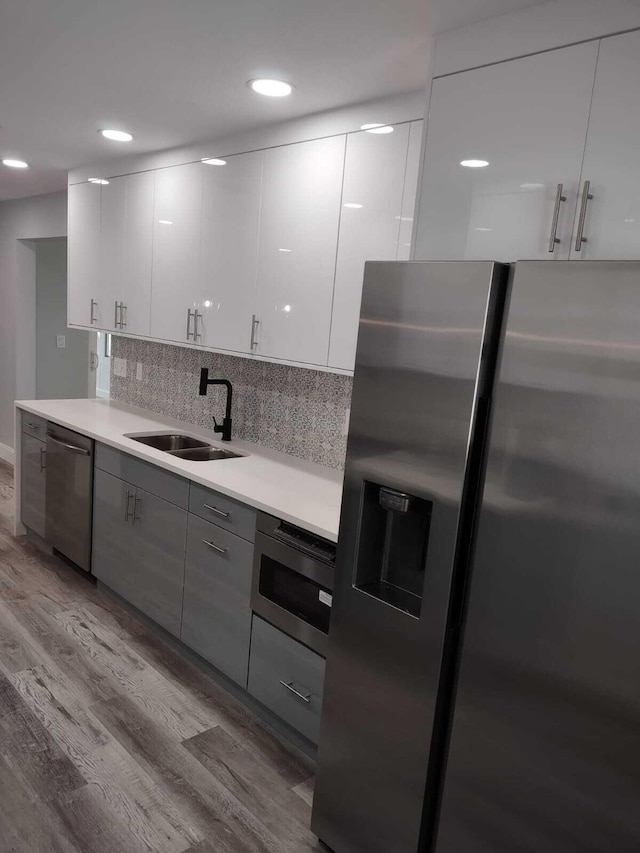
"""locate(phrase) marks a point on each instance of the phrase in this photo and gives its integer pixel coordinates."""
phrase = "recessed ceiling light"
(214, 161)
(165, 221)
(284, 250)
(102, 181)
(271, 88)
(377, 128)
(474, 164)
(352, 204)
(531, 186)
(117, 135)
(16, 164)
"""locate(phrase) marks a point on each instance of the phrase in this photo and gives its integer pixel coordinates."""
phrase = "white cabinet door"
(300, 211)
(370, 221)
(612, 163)
(176, 252)
(229, 253)
(126, 251)
(528, 118)
(85, 307)
(410, 191)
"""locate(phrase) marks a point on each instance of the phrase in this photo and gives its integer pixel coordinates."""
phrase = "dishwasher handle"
(81, 451)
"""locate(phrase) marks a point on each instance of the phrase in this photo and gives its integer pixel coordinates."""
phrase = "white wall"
(386, 111)
(61, 373)
(537, 28)
(22, 219)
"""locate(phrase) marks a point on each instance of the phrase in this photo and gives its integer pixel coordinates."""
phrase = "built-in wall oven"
(293, 581)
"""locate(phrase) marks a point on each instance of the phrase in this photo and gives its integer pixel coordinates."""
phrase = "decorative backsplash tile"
(291, 409)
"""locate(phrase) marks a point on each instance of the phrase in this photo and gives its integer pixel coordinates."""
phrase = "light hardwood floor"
(111, 742)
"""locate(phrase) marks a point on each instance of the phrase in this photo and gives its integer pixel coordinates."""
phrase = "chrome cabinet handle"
(32, 426)
(127, 505)
(215, 547)
(117, 321)
(94, 305)
(197, 335)
(289, 686)
(123, 316)
(81, 451)
(137, 503)
(554, 239)
(587, 196)
(217, 511)
(190, 334)
(254, 326)
(43, 457)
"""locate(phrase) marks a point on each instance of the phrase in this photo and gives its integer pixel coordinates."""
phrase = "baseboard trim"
(7, 454)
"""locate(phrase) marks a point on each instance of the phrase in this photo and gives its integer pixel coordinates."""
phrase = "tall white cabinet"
(126, 239)
(177, 216)
(231, 195)
(527, 118)
(611, 219)
(85, 305)
(370, 224)
(300, 215)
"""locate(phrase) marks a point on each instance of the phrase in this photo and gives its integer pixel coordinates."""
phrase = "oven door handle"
(289, 686)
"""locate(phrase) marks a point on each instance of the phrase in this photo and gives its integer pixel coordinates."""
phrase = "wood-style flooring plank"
(112, 742)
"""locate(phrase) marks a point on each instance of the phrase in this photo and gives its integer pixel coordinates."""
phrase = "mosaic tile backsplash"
(297, 411)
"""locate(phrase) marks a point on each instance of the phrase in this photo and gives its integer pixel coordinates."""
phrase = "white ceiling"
(174, 71)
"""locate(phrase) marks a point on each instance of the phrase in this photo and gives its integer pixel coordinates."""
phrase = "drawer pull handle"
(32, 426)
(289, 686)
(215, 547)
(217, 511)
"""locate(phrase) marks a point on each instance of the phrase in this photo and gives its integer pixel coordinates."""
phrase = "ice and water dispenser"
(392, 552)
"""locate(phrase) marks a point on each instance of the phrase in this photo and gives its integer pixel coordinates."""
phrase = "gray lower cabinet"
(33, 483)
(286, 677)
(216, 616)
(139, 543)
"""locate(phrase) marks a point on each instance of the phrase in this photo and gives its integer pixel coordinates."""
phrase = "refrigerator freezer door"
(427, 339)
(545, 749)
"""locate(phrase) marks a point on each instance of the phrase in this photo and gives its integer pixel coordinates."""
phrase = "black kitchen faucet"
(225, 426)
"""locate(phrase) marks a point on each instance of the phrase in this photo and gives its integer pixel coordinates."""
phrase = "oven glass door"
(300, 596)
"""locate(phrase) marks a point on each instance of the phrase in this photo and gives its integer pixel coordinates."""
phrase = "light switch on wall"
(61, 341)
(120, 366)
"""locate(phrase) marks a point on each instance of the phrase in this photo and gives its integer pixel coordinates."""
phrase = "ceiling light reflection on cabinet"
(116, 135)
(214, 161)
(287, 309)
(474, 164)
(284, 250)
(165, 221)
(101, 181)
(377, 128)
(15, 164)
(271, 88)
(531, 186)
(353, 205)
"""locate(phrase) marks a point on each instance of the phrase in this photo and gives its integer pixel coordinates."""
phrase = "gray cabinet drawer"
(164, 484)
(277, 660)
(225, 512)
(34, 426)
(216, 613)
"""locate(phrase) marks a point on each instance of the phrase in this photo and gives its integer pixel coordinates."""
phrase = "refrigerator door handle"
(554, 240)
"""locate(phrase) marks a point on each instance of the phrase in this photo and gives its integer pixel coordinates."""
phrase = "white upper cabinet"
(85, 306)
(126, 252)
(370, 222)
(528, 119)
(410, 191)
(177, 216)
(300, 212)
(612, 163)
(229, 251)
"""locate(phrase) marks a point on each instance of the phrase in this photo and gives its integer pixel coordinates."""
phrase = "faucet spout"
(225, 426)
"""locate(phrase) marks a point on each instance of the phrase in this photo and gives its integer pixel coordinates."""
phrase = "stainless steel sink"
(170, 442)
(205, 454)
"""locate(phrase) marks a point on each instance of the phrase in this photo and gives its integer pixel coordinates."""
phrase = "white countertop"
(300, 492)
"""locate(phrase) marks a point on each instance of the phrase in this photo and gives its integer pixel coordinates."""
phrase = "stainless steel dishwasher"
(69, 494)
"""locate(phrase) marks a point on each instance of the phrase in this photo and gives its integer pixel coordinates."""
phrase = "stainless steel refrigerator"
(517, 725)
(427, 348)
